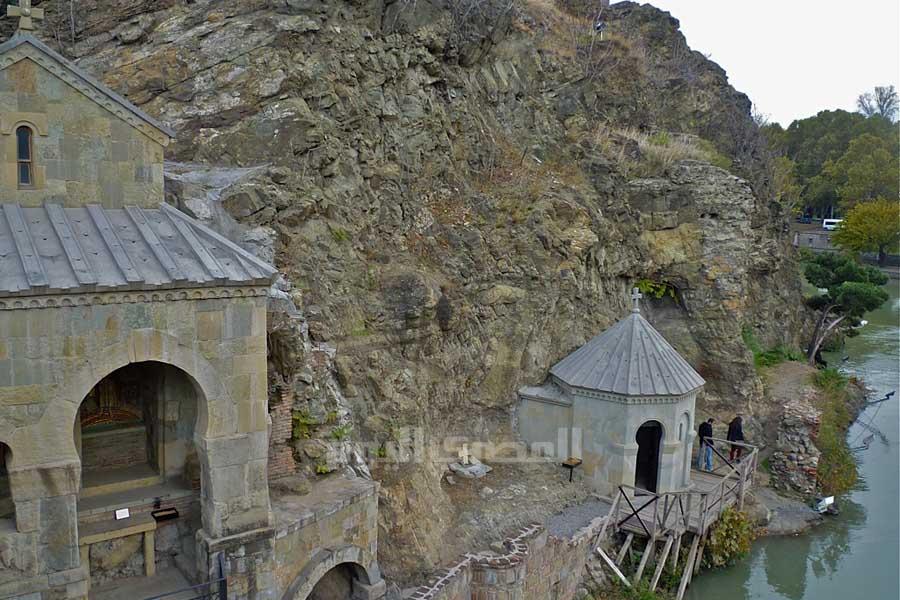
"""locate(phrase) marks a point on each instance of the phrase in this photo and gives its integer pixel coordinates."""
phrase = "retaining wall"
(535, 566)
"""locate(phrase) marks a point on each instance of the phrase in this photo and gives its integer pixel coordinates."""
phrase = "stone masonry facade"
(535, 566)
(85, 152)
(98, 275)
(50, 358)
(337, 522)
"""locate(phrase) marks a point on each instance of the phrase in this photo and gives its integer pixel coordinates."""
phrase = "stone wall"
(336, 523)
(794, 464)
(51, 357)
(83, 153)
(535, 566)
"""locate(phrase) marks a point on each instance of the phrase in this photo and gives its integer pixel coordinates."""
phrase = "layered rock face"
(459, 200)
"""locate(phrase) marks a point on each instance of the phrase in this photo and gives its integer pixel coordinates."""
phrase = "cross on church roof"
(27, 15)
(636, 296)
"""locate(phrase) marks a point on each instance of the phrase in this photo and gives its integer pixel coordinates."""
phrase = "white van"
(830, 224)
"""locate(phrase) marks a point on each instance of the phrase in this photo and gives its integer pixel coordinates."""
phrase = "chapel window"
(25, 156)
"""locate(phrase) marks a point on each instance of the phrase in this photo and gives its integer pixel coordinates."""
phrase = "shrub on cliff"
(730, 539)
(772, 356)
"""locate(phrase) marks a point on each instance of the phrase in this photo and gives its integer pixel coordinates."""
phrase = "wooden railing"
(670, 515)
(691, 509)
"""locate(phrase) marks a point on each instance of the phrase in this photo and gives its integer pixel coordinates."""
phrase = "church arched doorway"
(649, 441)
(137, 424)
(134, 433)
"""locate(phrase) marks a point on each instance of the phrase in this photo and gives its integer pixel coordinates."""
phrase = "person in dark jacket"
(736, 434)
(704, 456)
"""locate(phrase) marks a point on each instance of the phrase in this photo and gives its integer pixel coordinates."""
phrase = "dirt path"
(786, 381)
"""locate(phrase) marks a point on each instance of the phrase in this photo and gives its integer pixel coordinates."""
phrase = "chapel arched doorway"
(134, 433)
(649, 441)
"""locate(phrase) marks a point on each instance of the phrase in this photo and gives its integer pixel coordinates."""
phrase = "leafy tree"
(787, 190)
(850, 291)
(812, 142)
(867, 170)
(870, 227)
(881, 102)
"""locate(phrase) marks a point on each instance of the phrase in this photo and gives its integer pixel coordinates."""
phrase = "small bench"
(91, 533)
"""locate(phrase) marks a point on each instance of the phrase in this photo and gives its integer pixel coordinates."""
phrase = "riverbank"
(785, 426)
(857, 549)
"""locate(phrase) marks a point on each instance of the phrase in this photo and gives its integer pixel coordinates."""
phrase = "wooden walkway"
(692, 510)
(668, 517)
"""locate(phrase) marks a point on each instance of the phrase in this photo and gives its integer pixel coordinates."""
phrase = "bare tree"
(883, 101)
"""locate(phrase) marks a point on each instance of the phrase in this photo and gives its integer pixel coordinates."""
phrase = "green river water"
(855, 555)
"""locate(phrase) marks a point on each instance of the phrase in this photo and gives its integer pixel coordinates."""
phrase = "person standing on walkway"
(736, 434)
(704, 458)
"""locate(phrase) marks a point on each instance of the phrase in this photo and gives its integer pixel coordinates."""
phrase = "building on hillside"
(133, 371)
(623, 403)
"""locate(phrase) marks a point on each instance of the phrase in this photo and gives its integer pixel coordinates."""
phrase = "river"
(855, 554)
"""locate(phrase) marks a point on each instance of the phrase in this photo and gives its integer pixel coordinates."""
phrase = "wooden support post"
(648, 551)
(722, 496)
(696, 566)
(661, 563)
(656, 526)
(612, 565)
(622, 551)
(611, 516)
(701, 527)
(741, 485)
(677, 552)
(686, 576)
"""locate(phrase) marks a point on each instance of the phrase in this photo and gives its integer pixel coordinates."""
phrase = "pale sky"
(794, 58)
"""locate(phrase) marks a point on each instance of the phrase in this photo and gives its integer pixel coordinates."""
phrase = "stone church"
(622, 404)
(134, 419)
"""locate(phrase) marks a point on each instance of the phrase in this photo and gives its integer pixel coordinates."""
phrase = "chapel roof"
(631, 358)
(102, 94)
(55, 250)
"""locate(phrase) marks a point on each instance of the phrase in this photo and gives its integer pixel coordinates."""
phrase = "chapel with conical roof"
(623, 404)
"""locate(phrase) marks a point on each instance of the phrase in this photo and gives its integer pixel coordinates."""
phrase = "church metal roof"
(20, 38)
(54, 250)
(631, 358)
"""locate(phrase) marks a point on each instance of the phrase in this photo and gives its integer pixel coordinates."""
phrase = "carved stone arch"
(151, 345)
(216, 410)
(364, 569)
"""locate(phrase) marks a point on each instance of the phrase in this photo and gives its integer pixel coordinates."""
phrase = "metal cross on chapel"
(27, 15)
(636, 296)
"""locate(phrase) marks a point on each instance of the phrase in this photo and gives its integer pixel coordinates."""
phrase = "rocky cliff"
(460, 193)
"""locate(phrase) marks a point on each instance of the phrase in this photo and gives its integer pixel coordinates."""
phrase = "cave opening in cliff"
(648, 438)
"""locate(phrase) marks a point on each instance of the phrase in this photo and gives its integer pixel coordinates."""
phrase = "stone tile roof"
(90, 84)
(51, 249)
(631, 358)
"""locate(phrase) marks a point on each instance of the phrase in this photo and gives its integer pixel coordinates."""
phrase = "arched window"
(25, 156)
